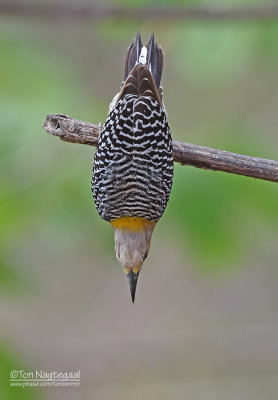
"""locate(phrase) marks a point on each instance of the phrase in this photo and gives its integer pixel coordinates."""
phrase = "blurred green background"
(205, 321)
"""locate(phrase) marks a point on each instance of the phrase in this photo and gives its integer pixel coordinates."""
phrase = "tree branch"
(98, 11)
(75, 131)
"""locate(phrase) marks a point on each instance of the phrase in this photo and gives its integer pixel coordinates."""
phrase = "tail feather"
(143, 69)
(132, 55)
(155, 60)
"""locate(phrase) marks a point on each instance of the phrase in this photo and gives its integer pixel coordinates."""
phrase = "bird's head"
(132, 243)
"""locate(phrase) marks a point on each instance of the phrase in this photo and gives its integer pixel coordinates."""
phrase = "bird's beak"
(132, 278)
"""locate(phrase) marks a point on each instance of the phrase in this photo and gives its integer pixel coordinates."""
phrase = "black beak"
(132, 278)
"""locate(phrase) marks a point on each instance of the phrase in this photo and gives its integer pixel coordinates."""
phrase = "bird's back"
(133, 166)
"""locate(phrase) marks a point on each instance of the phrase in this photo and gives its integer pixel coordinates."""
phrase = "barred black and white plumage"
(133, 166)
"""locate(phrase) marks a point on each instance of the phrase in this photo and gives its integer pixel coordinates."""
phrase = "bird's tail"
(150, 55)
(143, 69)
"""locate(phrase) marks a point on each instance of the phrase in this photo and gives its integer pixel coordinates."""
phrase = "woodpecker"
(133, 165)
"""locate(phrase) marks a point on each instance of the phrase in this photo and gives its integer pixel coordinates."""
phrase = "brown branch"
(75, 131)
(97, 11)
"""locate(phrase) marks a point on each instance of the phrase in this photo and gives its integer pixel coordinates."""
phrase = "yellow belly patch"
(134, 224)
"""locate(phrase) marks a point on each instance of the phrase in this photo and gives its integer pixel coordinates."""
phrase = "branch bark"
(98, 11)
(75, 131)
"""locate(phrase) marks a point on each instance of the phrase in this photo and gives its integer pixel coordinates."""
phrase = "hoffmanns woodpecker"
(133, 164)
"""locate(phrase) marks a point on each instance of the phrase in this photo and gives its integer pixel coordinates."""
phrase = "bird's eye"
(145, 256)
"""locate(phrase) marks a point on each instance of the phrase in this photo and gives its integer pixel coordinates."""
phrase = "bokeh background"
(205, 321)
